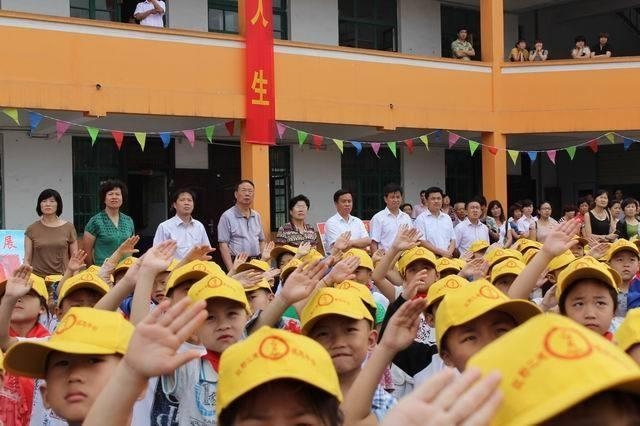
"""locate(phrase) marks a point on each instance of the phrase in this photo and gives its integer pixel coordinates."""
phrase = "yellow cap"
(550, 364)
(289, 268)
(475, 300)
(478, 245)
(222, 286)
(1, 362)
(365, 259)
(628, 334)
(93, 269)
(524, 244)
(270, 354)
(50, 279)
(561, 261)
(586, 267)
(312, 256)
(39, 286)
(263, 283)
(411, 255)
(278, 250)
(82, 331)
(82, 280)
(444, 264)
(172, 265)
(254, 264)
(494, 256)
(361, 290)
(195, 270)
(526, 258)
(507, 267)
(333, 301)
(619, 245)
(443, 287)
(125, 264)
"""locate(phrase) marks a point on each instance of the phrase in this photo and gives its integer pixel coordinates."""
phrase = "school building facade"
(374, 71)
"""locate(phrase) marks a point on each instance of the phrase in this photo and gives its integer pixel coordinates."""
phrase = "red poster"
(260, 99)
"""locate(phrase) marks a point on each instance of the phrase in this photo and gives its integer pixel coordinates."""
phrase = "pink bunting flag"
(409, 144)
(230, 125)
(317, 141)
(117, 137)
(281, 128)
(453, 138)
(191, 137)
(61, 129)
(375, 147)
(552, 155)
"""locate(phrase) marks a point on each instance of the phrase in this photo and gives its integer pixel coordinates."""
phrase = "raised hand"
(403, 325)
(476, 268)
(199, 252)
(266, 251)
(127, 248)
(159, 257)
(303, 250)
(301, 283)
(549, 301)
(406, 238)
(271, 274)
(76, 262)
(342, 242)
(239, 260)
(560, 239)
(378, 255)
(19, 283)
(416, 286)
(599, 249)
(343, 270)
(248, 278)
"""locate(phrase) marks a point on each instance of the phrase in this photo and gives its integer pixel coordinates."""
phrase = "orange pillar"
(494, 168)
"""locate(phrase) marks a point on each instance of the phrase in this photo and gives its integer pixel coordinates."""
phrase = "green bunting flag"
(473, 145)
(208, 131)
(302, 136)
(93, 132)
(340, 144)
(393, 147)
(13, 114)
(571, 151)
(141, 137)
(514, 155)
(425, 141)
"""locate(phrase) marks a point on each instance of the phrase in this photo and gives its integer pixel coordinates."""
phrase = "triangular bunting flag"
(61, 129)
(230, 125)
(281, 128)
(191, 137)
(409, 144)
(437, 135)
(593, 144)
(473, 145)
(357, 146)
(340, 144)
(317, 141)
(393, 147)
(611, 137)
(302, 136)
(117, 137)
(34, 120)
(165, 137)
(376, 148)
(532, 155)
(627, 143)
(552, 155)
(93, 132)
(141, 137)
(425, 141)
(514, 155)
(571, 151)
(453, 138)
(208, 131)
(493, 150)
(13, 114)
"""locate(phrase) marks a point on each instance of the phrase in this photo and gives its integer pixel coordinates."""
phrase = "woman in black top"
(598, 222)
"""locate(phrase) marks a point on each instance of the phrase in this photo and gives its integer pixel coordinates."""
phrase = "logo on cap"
(344, 286)
(489, 292)
(452, 283)
(199, 267)
(511, 264)
(499, 252)
(419, 252)
(214, 282)
(567, 343)
(325, 299)
(66, 323)
(444, 262)
(86, 277)
(273, 348)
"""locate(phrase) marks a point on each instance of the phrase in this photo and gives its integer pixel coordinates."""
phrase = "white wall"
(30, 166)
(314, 21)
(421, 170)
(419, 27)
(317, 174)
(188, 15)
(187, 157)
(44, 7)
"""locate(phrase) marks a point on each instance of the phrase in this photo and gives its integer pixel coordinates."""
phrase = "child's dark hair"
(565, 293)
(322, 404)
(602, 408)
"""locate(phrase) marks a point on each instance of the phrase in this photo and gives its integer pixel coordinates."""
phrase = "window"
(102, 10)
(279, 164)
(368, 24)
(463, 174)
(223, 17)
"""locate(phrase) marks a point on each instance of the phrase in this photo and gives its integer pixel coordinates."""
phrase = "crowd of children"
(533, 334)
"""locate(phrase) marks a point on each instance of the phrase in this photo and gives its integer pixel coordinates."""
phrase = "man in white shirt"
(421, 207)
(435, 226)
(471, 229)
(527, 221)
(385, 223)
(182, 228)
(459, 212)
(342, 222)
(150, 13)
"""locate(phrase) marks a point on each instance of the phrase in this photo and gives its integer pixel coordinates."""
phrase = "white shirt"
(153, 20)
(337, 225)
(384, 226)
(467, 233)
(436, 230)
(524, 224)
(186, 235)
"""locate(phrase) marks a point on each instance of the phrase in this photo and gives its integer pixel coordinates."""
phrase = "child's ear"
(431, 320)
(446, 358)
(373, 338)
(44, 394)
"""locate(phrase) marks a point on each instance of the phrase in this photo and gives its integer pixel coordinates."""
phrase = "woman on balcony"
(519, 53)
(581, 50)
(539, 53)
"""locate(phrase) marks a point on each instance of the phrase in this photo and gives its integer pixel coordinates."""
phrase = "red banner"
(260, 99)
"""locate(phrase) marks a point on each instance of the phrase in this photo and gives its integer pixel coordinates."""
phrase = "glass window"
(280, 185)
(102, 10)
(368, 24)
(223, 17)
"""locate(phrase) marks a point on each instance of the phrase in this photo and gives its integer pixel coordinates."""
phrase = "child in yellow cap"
(556, 372)
(623, 256)
(628, 335)
(259, 295)
(504, 273)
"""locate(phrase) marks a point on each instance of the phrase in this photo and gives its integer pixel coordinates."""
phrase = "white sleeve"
(376, 228)
(159, 237)
(330, 233)
(456, 234)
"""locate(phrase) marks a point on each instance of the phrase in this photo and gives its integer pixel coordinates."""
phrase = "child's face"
(414, 267)
(284, 259)
(75, 381)
(159, 284)
(224, 325)
(634, 353)
(577, 250)
(81, 298)
(259, 299)
(517, 214)
(504, 282)
(625, 263)
(347, 341)
(363, 275)
(27, 308)
(180, 291)
(589, 303)
(463, 341)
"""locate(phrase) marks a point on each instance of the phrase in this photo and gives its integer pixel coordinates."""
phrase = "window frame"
(91, 7)
(281, 10)
(356, 21)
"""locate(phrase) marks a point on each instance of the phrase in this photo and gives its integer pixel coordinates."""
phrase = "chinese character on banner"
(260, 89)
(11, 251)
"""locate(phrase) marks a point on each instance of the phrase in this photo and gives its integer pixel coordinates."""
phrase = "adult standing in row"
(240, 227)
(110, 227)
(50, 241)
(186, 231)
(342, 222)
(598, 222)
(471, 229)
(297, 231)
(436, 226)
(385, 223)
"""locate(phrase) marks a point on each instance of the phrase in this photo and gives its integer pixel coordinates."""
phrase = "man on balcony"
(150, 13)
(461, 48)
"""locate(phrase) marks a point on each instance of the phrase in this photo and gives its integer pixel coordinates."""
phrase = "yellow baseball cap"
(195, 270)
(444, 264)
(586, 267)
(478, 245)
(263, 283)
(360, 289)
(38, 286)
(526, 258)
(93, 269)
(332, 301)
(254, 264)
(628, 334)
(507, 267)
(270, 354)
(524, 244)
(172, 265)
(494, 256)
(550, 364)
(82, 331)
(442, 287)
(619, 245)
(474, 300)
(82, 280)
(125, 264)
(312, 256)
(289, 268)
(365, 259)
(561, 261)
(411, 255)
(278, 250)
(222, 286)
(50, 279)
